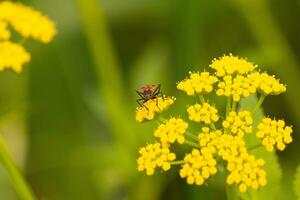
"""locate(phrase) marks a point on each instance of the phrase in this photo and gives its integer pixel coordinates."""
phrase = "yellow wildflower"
(237, 87)
(267, 84)
(229, 64)
(155, 155)
(203, 113)
(198, 166)
(238, 123)
(4, 32)
(152, 107)
(171, 131)
(197, 83)
(246, 171)
(273, 132)
(27, 21)
(207, 137)
(13, 56)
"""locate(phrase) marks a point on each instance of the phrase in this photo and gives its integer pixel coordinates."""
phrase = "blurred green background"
(68, 118)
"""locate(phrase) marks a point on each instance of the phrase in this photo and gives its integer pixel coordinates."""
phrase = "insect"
(148, 92)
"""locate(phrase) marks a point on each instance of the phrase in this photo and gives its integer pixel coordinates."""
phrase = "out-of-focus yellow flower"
(273, 132)
(197, 83)
(267, 84)
(13, 56)
(4, 32)
(27, 21)
(198, 166)
(246, 171)
(237, 87)
(171, 131)
(238, 123)
(203, 113)
(155, 155)
(153, 107)
(229, 64)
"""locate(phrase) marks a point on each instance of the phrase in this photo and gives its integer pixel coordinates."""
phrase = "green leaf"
(272, 167)
(297, 183)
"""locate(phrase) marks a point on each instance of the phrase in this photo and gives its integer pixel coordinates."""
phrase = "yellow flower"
(13, 56)
(152, 107)
(238, 123)
(4, 32)
(207, 137)
(171, 131)
(198, 166)
(267, 84)
(246, 171)
(27, 21)
(273, 132)
(237, 87)
(155, 155)
(229, 64)
(203, 113)
(197, 83)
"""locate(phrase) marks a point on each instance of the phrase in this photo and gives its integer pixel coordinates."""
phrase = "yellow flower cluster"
(237, 87)
(198, 166)
(4, 32)
(155, 155)
(171, 131)
(152, 107)
(273, 132)
(266, 84)
(229, 64)
(224, 140)
(12, 56)
(197, 83)
(203, 113)
(238, 123)
(246, 171)
(27, 21)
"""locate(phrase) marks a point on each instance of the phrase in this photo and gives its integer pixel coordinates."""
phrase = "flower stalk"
(21, 186)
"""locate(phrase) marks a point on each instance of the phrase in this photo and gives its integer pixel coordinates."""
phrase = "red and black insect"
(147, 93)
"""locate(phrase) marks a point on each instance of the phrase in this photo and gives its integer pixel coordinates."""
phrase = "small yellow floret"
(155, 155)
(4, 32)
(13, 56)
(197, 83)
(171, 131)
(229, 64)
(198, 166)
(273, 132)
(238, 123)
(27, 21)
(153, 107)
(205, 113)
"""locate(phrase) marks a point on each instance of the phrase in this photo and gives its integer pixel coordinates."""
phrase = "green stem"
(19, 183)
(177, 162)
(258, 103)
(193, 144)
(233, 106)
(212, 126)
(255, 147)
(202, 99)
(232, 192)
(228, 106)
(191, 135)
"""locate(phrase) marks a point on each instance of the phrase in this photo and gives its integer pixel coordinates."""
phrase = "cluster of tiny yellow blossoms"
(273, 132)
(155, 155)
(203, 113)
(238, 123)
(153, 107)
(171, 131)
(197, 83)
(221, 137)
(29, 23)
(198, 166)
(8, 57)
